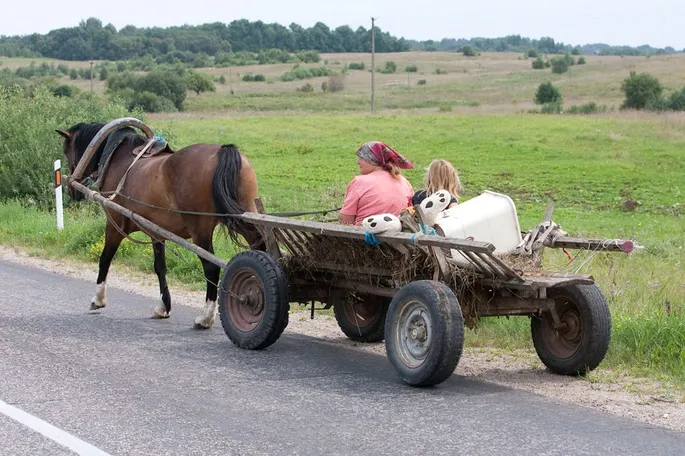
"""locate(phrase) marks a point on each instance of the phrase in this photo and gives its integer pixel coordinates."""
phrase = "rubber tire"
(448, 337)
(276, 307)
(596, 331)
(375, 332)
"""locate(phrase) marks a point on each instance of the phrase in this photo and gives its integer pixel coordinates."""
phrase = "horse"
(188, 192)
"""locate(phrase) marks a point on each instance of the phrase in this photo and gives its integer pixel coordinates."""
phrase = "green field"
(610, 177)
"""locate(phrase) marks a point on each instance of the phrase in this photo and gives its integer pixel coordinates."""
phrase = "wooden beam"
(609, 245)
(148, 225)
(268, 233)
(354, 232)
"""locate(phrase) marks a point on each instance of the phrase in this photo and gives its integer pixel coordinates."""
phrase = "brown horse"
(200, 178)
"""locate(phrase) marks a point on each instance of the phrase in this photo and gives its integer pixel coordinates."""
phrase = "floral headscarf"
(380, 154)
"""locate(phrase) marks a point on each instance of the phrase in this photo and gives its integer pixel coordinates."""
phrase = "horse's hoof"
(160, 311)
(157, 316)
(200, 326)
(94, 306)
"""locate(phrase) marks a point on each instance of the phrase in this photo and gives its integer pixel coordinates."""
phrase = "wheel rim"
(563, 342)
(245, 300)
(413, 333)
(362, 314)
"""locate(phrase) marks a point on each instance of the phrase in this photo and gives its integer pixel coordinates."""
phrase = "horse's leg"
(112, 241)
(164, 306)
(212, 273)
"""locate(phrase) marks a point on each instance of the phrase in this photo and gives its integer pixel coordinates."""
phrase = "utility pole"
(373, 65)
(91, 75)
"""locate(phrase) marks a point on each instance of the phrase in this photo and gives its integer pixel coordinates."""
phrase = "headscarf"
(380, 154)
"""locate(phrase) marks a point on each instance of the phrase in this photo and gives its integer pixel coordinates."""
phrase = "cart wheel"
(582, 341)
(253, 300)
(362, 321)
(424, 333)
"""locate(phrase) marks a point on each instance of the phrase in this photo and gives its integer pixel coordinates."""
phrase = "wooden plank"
(148, 225)
(353, 232)
(534, 283)
(324, 266)
(354, 286)
(609, 245)
(510, 272)
(288, 242)
(485, 267)
(268, 233)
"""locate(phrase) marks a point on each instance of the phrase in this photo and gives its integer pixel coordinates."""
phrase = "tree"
(547, 93)
(640, 89)
(538, 64)
(559, 65)
(468, 51)
(200, 82)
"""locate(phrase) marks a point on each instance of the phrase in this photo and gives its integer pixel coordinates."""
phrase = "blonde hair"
(393, 170)
(441, 175)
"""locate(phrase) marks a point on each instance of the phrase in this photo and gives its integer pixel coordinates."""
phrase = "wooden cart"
(408, 289)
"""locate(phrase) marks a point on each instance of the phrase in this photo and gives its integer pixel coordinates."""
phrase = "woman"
(380, 188)
(440, 175)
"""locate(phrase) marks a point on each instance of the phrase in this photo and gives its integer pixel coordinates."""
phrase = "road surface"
(120, 383)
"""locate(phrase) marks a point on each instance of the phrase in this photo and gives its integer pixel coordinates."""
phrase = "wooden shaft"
(610, 245)
(148, 225)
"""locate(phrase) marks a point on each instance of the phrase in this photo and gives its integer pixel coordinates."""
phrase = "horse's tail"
(225, 190)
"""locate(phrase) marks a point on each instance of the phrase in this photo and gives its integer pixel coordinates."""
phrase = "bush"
(65, 91)
(559, 65)
(30, 144)
(575, 51)
(538, 64)
(259, 77)
(547, 93)
(677, 100)
(639, 90)
(390, 67)
(581, 60)
(440, 71)
(356, 66)
(468, 51)
(324, 87)
(199, 82)
(336, 83)
(221, 79)
(411, 69)
(421, 82)
(309, 56)
(532, 53)
(588, 108)
(73, 74)
(551, 108)
(248, 77)
(307, 88)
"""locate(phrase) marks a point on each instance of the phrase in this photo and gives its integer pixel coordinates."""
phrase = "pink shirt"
(376, 193)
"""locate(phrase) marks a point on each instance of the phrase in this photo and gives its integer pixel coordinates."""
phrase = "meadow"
(614, 175)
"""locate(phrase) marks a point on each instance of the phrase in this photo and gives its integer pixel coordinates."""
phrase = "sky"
(615, 22)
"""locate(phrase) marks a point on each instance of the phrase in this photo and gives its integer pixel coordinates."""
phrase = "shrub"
(356, 66)
(559, 65)
(588, 108)
(62, 68)
(324, 87)
(336, 83)
(640, 89)
(575, 51)
(103, 73)
(468, 51)
(199, 82)
(248, 77)
(73, 74)
(551, 108)
(538, 64)
(307, 88)
(421, 82)
(221, 79)
(259, 77)
(440, 71)
(30, 144)
(309, 56)
(532, 53)
(677, 100)
(390, 67)
(411, 69)
(65, 91)
(547, 93)
(581, 60)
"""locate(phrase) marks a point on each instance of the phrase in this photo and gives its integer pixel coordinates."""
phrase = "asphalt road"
(127, 384)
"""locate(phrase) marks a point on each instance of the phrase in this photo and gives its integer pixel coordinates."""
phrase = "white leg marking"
(55, 434)
(100, 298)
(206, 320)
(160, 309)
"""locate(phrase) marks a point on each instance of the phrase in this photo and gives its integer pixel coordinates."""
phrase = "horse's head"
(76, 140)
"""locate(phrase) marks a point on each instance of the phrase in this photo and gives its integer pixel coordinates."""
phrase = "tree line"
(90, 40)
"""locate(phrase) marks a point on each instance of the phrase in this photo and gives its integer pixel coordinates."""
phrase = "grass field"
(610, 177)
(488, 83)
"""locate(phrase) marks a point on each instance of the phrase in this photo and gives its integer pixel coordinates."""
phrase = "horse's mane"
(86, 133)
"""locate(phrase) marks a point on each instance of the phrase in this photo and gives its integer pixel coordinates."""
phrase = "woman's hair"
(393, 170)
(441, 175)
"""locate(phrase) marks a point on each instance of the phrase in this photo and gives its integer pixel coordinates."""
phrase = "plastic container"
(489, 217)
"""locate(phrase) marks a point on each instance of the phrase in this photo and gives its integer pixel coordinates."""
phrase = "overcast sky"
(615, 22)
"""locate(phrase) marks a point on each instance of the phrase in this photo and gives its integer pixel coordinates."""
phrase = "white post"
(58, 195)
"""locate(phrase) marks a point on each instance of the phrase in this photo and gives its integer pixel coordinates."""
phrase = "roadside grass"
(608, 177)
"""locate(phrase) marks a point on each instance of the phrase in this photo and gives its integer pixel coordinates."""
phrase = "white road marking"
(48, 430)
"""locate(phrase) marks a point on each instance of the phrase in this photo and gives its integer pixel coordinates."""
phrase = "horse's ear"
(64, 133)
